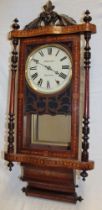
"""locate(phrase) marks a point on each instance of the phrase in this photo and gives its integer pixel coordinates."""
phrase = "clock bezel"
(33, 86)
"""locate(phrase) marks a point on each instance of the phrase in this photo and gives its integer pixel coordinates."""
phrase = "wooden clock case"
(49, 171)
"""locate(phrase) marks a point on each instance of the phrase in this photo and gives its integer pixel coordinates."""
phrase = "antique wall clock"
(46, 54)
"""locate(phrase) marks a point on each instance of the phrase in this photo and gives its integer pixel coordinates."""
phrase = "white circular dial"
(49, 68)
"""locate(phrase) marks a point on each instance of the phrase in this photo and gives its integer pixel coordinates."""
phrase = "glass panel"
(51, 130)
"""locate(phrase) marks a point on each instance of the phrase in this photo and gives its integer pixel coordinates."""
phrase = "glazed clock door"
(50, 81)
(48, 71)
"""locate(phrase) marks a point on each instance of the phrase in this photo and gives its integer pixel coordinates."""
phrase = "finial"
(79, 199)
(84, 174)
(10, 165)
(15, 25)
(48, 7)
(87, 18)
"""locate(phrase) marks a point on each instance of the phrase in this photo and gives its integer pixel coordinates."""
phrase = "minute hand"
(49, 68)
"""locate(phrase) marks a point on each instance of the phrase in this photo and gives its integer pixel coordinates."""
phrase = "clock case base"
(49, 177)
(56, 184)
(48, 194)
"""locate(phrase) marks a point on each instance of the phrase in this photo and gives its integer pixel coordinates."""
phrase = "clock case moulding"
(51, 173)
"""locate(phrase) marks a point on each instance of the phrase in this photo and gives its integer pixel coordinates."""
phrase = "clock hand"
(48, 67)
(61, 74)
(37, 62)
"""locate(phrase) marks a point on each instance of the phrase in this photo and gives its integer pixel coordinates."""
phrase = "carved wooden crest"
(50, 17)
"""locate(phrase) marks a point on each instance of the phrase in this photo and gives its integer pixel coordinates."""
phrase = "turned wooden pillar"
(11, 124)
(86, 115)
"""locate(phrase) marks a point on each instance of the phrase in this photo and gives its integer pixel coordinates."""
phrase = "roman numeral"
(58, 82)
(40, 82)
(34, 76)
(35, 60)
(41, 53)
(49, 49)
(62, 59)
(65, 67)
(33, 68)
(57, 52)
(48, 84)
(63, 75)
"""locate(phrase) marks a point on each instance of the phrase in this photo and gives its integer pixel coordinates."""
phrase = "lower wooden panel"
(42, 193)
(50, 183)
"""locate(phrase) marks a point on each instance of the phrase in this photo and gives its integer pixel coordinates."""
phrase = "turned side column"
(11, 124)
(86, 115)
